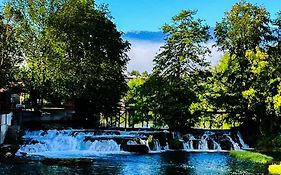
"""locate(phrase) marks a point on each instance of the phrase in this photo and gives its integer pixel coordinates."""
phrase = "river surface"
(168, 163)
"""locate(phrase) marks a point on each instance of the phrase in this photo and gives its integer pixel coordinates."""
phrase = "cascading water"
(65, 141)
(189, 144)
(211, 141)
(216, 146)
(243, 144)
(93, 142)
(235, 145)
(203, 143)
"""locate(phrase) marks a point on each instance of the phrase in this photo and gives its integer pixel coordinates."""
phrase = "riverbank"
(258, 158)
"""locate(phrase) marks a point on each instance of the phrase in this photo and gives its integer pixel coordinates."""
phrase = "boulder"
(142, 149)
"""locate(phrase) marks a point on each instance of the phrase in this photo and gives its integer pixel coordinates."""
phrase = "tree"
(134, 98)
(95, 57)
(134, 73)
(73, 52)
(171, 85)
(41, 52)
(10, 53)
(244, 29)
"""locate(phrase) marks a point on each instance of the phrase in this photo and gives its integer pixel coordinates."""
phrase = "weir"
(87, 143)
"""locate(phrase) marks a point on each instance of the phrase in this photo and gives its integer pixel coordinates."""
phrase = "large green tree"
(172, 86)
(94, 54)
(10, 53)
(244, 29)
(42, 53)
(73, 52)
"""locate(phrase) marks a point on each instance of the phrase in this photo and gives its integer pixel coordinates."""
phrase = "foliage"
(10, 53)
(135, 99)
(270, 143)
(170, 88)
(95, 56)
(251, 156)
(244, 27)
(73, 51)
(274, 169)
(242, 81)
(42, 53)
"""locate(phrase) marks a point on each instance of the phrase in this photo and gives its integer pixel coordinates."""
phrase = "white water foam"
(244, 145)
(54, 142)
(210, 142)
(81, 143)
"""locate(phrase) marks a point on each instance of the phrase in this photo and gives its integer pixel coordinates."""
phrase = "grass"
(274, 169)
(251, 156)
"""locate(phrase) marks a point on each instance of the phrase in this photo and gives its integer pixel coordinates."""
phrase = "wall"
(5, 121)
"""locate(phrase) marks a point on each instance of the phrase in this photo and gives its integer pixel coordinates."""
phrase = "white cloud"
(143, 52)
(215, 55)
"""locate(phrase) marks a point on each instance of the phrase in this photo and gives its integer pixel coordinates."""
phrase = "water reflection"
(150, 164)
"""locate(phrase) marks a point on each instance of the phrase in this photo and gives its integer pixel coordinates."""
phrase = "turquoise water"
(168, 163)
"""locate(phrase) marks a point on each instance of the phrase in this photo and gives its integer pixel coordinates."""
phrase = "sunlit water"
(135, 164)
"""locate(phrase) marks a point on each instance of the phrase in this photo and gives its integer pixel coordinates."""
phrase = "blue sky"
(150, 15)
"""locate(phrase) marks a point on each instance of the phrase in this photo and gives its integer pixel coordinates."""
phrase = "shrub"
(272, 143)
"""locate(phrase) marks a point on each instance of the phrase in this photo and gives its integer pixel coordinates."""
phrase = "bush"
(271, 143)
(274, 169)
(251, 156)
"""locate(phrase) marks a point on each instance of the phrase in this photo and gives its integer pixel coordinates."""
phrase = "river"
(167, 163)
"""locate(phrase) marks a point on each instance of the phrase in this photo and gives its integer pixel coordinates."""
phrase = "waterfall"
(157, 146)
(54, 141)
(189, 144)
(216, 146)
(96, 142)
(210, 141)
(235, 145)
(243, 144)
(203, 143)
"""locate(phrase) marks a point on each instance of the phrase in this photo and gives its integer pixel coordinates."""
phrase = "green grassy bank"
(251, 156)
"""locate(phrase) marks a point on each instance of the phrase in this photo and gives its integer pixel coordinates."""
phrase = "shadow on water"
(168, 163)
(207, 163)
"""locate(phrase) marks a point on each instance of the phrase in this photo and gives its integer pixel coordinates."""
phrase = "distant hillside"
(145, 35)
(151, 36)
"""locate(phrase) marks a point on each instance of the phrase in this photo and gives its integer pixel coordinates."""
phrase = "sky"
(134, 16)
(149, 15)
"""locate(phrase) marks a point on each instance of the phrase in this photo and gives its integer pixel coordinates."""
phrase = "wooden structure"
(125, 118)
